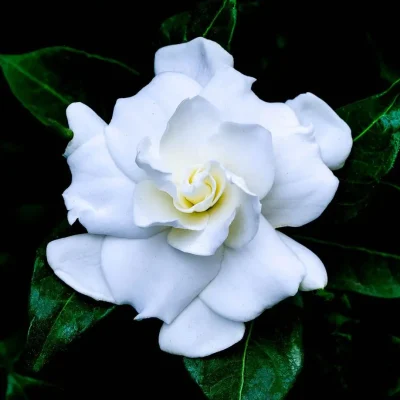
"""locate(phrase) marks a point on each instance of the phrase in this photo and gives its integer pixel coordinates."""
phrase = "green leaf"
(357, 269)
(375, 124)
(215, 20)
(19, 386)
(264, 365)
(58, 314)
(46, 81)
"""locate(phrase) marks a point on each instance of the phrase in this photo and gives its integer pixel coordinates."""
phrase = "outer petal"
(153, 207)
(331, 132)
(230, 91)
(199, 332)
(153, 277)
(255, 277)
(303, 185)
(189, 129)
(77, 261)
(199, 59)
(316, 276)
(84, 123)
(246, 150)
(100, 195)
(145, 114)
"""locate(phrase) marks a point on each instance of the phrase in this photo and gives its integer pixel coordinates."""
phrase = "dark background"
(338, 54)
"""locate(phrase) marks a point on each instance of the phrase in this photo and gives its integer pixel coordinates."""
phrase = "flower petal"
(100, 195)
(84, 123)
(153, 207)
(303, 185)
(199, 59)
(333, 135)
(153, 277)
(316, 276)
(188, 130)
(230, 91)
(145, 114)
(255, 277)
(76, 260)
(209, 240)
(246, 150)
(247, 219)
(199, 332)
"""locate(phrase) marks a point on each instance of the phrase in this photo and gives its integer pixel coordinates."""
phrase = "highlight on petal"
(332, 134)
(188, 130)
(199, 332)
(145, 114)
(254, 277)
(303, 185)
(153, 207)
(100, 195)
(84, 123)
(156, 279)
(76, 260)
(246, 150)
(316, 276)
(198, 59)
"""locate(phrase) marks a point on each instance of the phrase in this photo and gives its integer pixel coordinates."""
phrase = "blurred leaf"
(19, 386)
(264, 365)
(58, 314)
(46, 81)
(375, 124)
(215, 20)
(357, 269)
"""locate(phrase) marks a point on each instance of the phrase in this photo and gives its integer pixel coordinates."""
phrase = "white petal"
(84, 123)
(154, 167)
(189, 129)
(153, 277)
(153, 207)
(100, 195)
(76, 260)
(145, 114)
(303, 185)
(199, 332)
(246, 150)
(230, 91)
(255, 277)
(247, 219)
(199, 59)
(331, 132)
(316, 276)
(209, 240)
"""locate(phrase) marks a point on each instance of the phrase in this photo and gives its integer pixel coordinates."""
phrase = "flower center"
(200, 188)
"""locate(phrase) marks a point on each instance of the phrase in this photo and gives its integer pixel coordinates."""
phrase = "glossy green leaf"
(357, 269)
(215, 20)
(264, 365)
(46, 81)
(375, 124)
(58, 314)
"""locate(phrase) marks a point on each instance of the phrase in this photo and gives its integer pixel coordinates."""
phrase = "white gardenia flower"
(181, 194)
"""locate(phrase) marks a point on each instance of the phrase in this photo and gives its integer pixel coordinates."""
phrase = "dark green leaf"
(357, 269)
(215, 20)
(58, 314)
(19, 386)
(46, 81)
(375, 124)
(264, 365)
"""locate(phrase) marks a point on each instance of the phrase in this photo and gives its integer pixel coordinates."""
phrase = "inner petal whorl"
(200, 189)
